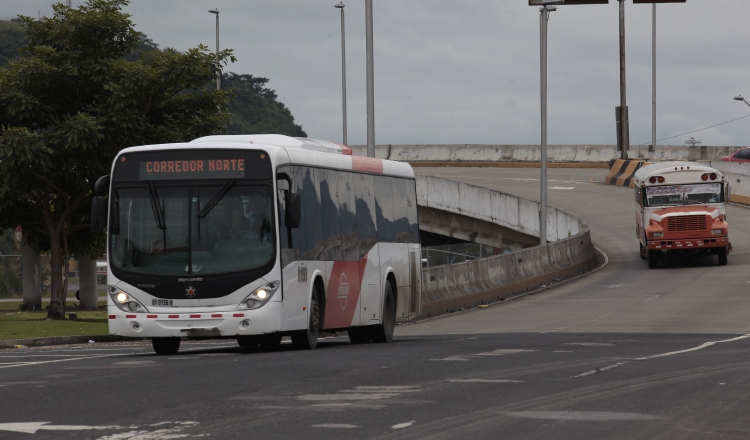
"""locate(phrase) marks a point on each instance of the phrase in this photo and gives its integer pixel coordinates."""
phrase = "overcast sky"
(450, 71)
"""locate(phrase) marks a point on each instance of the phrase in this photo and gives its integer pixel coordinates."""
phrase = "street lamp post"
(740, 98)
(218, 74)
(543, 20)
(370, 81)
(343, 67)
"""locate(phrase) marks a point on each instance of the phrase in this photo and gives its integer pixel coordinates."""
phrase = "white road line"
(335, 426)
(671, 353)
(485, 381)
(26, 364)
(404, 425)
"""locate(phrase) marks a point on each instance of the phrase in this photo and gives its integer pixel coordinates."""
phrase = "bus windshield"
(692, 194)
(164, 228)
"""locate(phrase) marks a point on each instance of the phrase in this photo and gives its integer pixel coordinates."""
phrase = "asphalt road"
(623, 353)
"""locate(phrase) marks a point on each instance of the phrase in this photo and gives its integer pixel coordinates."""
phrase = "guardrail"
(461, 285)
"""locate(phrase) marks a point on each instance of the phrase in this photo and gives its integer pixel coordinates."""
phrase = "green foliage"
(255, 109)
(72, 100)
(12, 38)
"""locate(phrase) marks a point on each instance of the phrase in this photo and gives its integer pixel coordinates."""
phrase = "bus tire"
(653, 259)
(166, 345)
(248, 341)
(383, 332)
(271, 340)
(644, 251)
(359, 335)
(722, 256)
(308, 339)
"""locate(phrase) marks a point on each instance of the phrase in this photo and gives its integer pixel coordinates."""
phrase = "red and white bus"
(256, 237)
(681, 208)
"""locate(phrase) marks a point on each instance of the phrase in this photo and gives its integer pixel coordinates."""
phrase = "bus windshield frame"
(684, 194)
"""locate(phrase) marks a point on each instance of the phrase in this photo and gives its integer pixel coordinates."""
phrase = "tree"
(12, 38)
(71, 102)
(255, 109)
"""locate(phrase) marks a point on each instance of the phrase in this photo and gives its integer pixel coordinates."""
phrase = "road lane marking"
(671, 353)
(585, 416)
(335, 426)
(26, 364)
(485, 381)
(404, 425)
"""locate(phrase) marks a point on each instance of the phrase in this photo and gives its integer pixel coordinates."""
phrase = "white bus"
(681, 208)
(256, 237)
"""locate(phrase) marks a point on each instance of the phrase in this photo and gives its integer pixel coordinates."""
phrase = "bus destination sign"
(233, 168)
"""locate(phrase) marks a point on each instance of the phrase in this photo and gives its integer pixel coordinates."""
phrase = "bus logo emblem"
(190, 292)
(343, 293)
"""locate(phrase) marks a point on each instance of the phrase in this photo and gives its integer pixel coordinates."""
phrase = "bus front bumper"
(688, 244)
(196, 324)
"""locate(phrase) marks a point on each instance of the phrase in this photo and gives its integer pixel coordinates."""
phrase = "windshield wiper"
(215, 199)
(158, 212)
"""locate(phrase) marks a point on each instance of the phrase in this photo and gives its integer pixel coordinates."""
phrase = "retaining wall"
(451, 287)
(531, 153)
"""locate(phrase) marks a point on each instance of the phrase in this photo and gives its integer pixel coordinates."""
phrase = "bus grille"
(687, 223)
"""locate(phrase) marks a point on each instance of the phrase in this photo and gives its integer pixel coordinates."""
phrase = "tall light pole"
(343, 67)
(543, 20)
(218, 74)
(653, 77)
(621, 113)
(370, 81)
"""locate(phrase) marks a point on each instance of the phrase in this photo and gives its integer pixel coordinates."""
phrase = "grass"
(23, 325)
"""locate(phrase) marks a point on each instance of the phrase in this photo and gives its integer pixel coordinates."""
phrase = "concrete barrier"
(451, 287)
(580, 154)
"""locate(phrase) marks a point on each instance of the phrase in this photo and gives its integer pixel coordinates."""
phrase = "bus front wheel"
(722, 256)
(308, 339)
(653, 259)
(166, 345)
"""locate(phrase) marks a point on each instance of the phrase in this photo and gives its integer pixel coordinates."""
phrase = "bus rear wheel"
(166, 345)
(723, 256)
(308, 339)
(384, 332)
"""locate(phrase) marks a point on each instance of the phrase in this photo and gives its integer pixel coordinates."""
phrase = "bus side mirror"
(293, 211)
(98, 214)
(729, 193)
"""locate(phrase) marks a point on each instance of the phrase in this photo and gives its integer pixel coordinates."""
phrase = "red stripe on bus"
(129, 316)
(238, 315)
(152, 316)
(112, 316)
(216, 315)
(174, 316)
(367, 164)
(195, 316)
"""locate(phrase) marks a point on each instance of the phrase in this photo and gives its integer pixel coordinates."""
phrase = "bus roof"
(296, 151)
(691, 170)
(278, 140)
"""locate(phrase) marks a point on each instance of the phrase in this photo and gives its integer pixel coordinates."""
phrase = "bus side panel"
(343, 293)
(298, 277)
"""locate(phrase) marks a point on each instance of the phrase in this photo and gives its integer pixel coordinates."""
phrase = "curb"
(61, 340)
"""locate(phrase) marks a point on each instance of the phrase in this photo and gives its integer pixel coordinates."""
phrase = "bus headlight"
(125, 302)
(717, 231)
(259, 297)
(658, 234)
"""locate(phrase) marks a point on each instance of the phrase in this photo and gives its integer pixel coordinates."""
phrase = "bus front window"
(700, 193)
(235, 234)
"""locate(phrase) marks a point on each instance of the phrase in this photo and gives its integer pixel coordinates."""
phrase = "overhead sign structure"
(566, 2)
